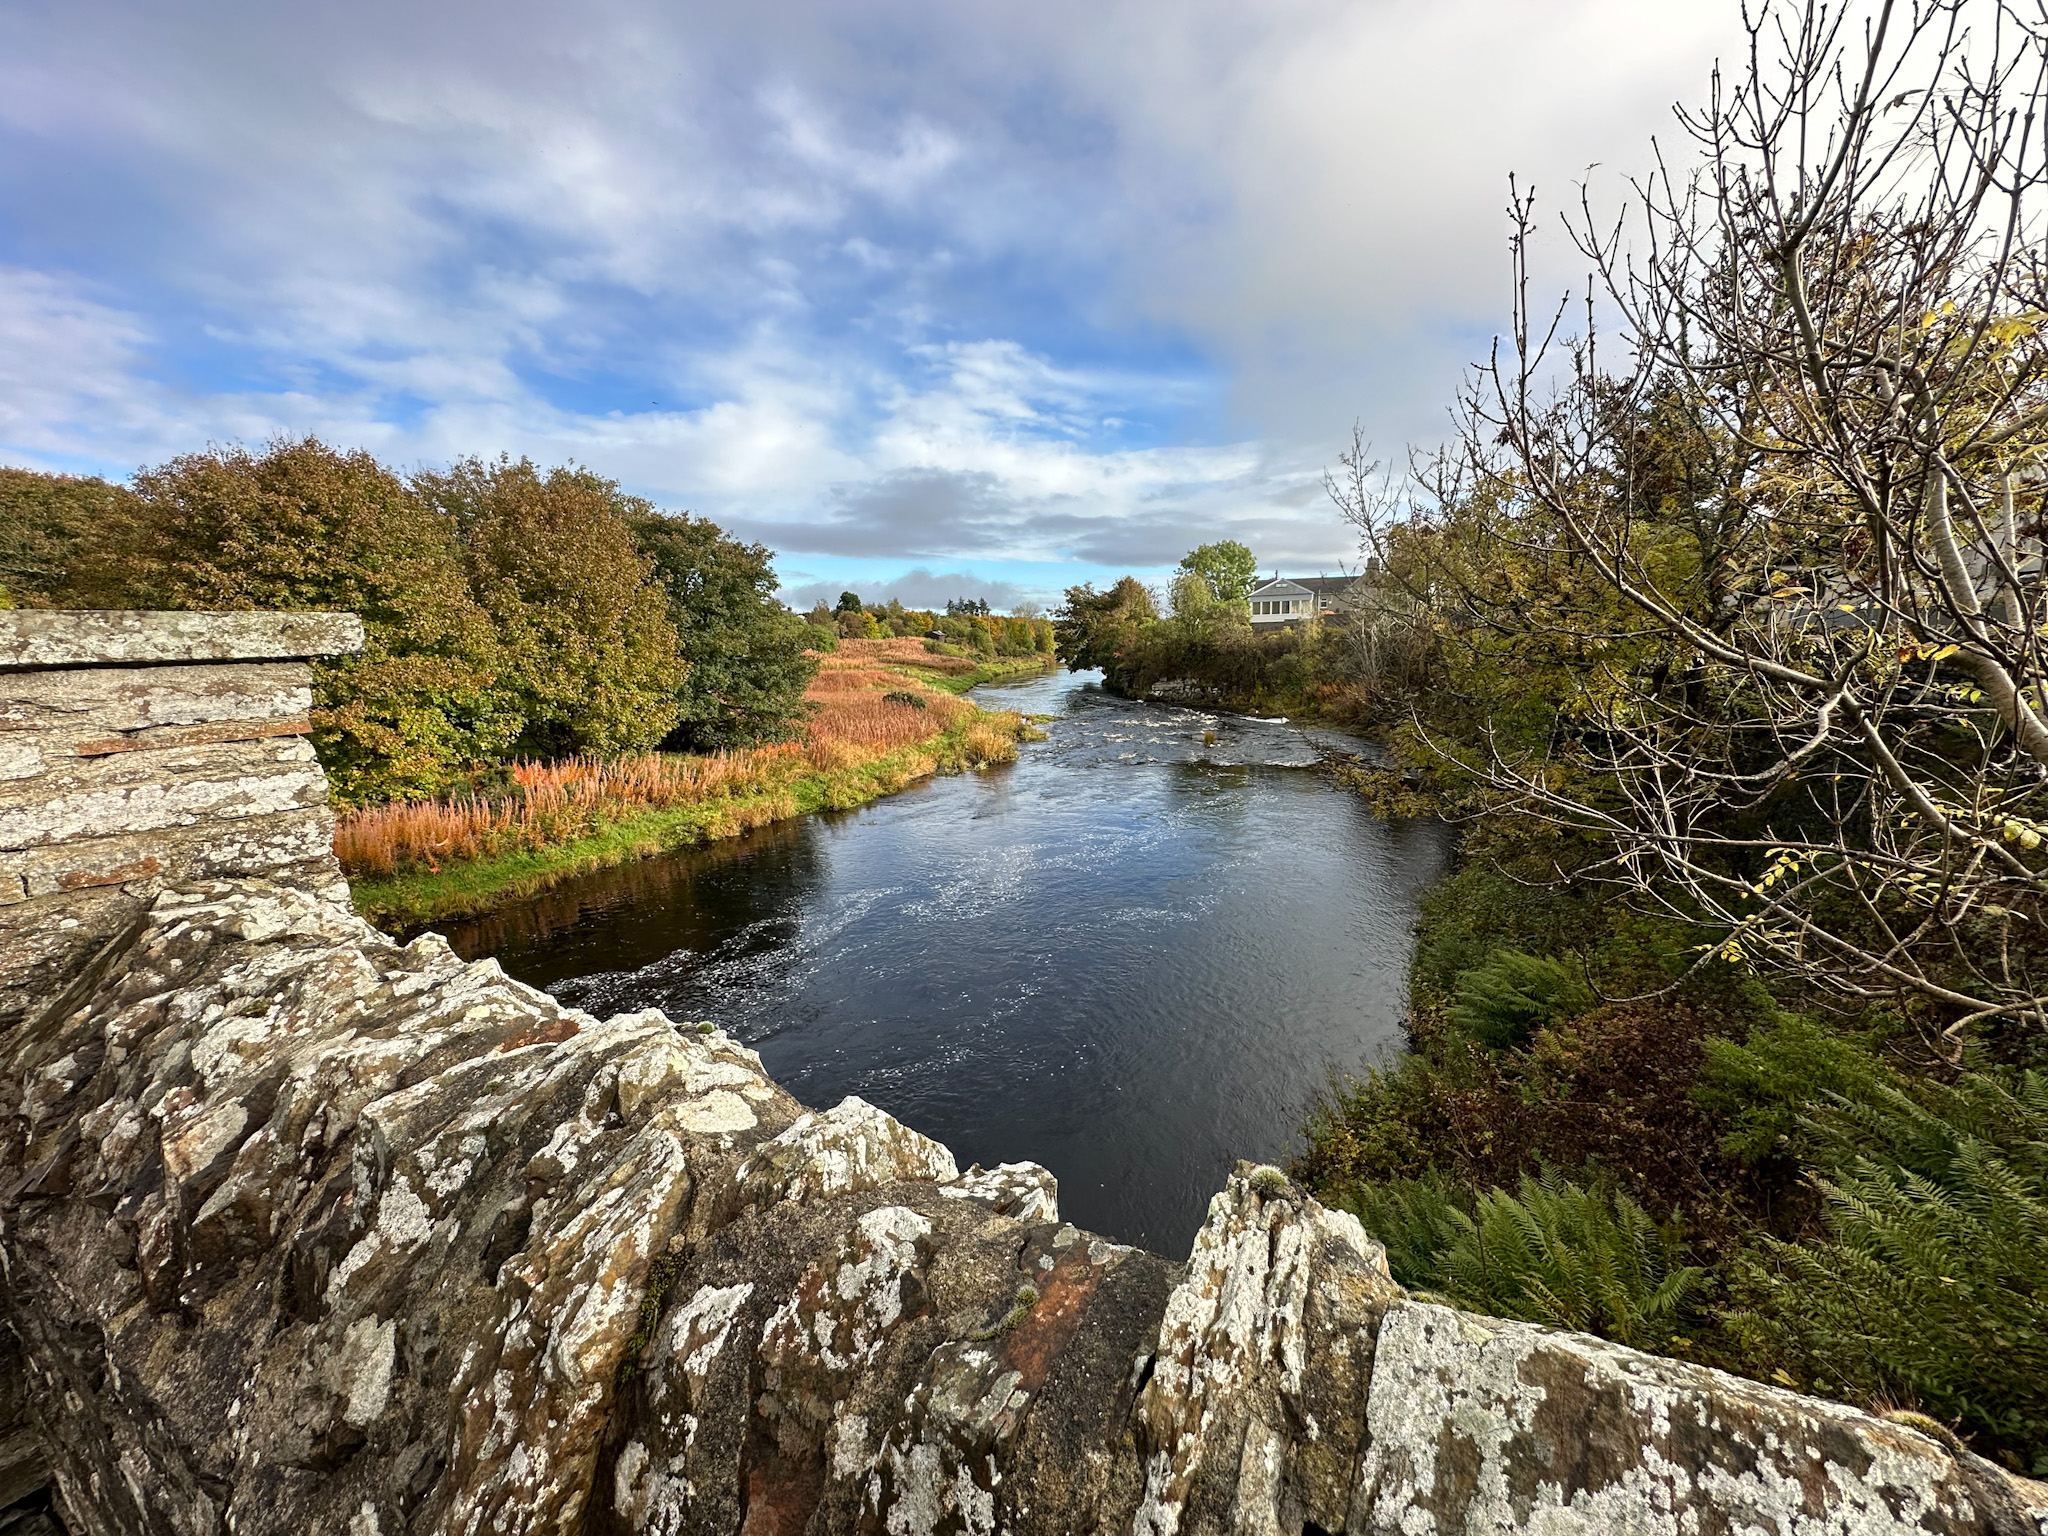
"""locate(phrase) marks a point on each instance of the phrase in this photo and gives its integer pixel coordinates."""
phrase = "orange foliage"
(869, 722)
(550, 803)
(898, 650)
(848, 680)
(852, 724)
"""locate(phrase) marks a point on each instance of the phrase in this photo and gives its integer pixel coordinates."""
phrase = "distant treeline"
(512, 612)
(966, 627)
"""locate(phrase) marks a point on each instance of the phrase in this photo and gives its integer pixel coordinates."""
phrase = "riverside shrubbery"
(1349, 665)
(1734, 686)
(1705, 1173)
(964, 631)
(871, 721)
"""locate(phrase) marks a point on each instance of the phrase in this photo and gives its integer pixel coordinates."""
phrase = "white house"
(1281, 602)
(1284, 601)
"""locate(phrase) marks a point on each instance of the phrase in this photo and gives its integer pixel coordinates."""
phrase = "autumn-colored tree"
(301, 525)
(591, 657)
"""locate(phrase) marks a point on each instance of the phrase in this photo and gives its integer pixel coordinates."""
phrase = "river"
(1130, 956)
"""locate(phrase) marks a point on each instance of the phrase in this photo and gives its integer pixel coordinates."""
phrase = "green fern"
(1932, 1283)
(1504, 1001)
(1764, 1085)
(1554, 1253)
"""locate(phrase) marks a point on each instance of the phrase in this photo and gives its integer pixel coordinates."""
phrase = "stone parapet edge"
(44, 639)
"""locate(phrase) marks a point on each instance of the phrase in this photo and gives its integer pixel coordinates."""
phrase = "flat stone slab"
(33, 638)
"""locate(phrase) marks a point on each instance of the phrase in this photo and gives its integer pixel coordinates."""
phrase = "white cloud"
(1072, 281)
(64, 358)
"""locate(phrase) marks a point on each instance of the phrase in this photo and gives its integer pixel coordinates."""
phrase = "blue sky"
(932, 298)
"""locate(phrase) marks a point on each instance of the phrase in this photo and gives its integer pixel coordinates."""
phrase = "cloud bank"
(915, 588)
(1019, 290)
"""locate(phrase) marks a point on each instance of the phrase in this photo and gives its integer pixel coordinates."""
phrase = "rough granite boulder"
(304, 1230)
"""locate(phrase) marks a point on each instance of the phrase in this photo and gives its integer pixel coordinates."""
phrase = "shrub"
(1930, 1286)
(301, 525)
(56, 532)
(1479, 909)
(748, 659)
(1763, 1086)
(590, 654)
(1503, 1002)
(1553, 1253)
(984, 745)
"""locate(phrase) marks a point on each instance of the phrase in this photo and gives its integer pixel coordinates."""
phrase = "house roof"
(1326, 586)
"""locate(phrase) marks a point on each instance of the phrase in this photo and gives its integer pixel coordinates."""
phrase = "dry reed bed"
(898, 650)
(852, 724)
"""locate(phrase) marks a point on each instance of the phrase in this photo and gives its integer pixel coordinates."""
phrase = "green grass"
(465, 890)
(994, 670)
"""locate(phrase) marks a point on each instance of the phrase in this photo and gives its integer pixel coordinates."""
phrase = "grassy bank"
(885, 714)
(992, 670)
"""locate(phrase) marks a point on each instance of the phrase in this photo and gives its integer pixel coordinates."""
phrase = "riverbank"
(886, 713)
(1334, 709)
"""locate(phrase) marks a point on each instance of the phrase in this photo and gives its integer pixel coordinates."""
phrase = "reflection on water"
(1130, 957)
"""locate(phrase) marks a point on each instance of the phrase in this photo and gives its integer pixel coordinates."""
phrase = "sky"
(949, 298)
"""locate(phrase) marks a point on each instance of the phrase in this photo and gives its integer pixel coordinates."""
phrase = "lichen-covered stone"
(1023, 1190)
(99, 710)
(117, 780)
(852, 1146)
(377, 1223)
(305, 1230)
(308, 1230)
(1484, 1425)
(1255, 1413)
(93, 637)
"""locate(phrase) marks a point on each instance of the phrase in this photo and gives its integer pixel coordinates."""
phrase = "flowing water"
(1131, 957)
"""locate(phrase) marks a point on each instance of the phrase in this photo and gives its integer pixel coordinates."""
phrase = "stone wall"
(141, 749)
(304, 1230)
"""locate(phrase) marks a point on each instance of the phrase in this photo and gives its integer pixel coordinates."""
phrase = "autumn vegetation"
(1197, 639)
(1729, 1030)
(882, 714)
(965, 629)
(556, 672)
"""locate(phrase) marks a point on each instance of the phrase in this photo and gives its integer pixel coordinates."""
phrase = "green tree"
(1227, 566)
(1191, 597)
(849, 602)
(747, 655)
(591, 656)
(304, 526)
(1095, 629)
